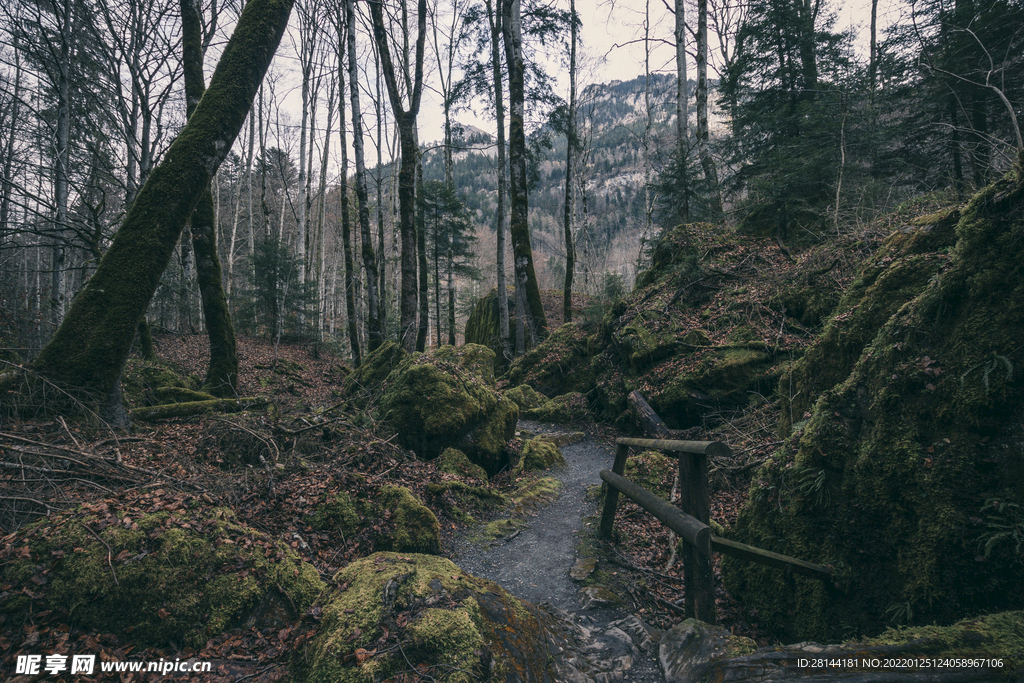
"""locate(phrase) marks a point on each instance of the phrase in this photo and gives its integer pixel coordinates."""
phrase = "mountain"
(610, 215)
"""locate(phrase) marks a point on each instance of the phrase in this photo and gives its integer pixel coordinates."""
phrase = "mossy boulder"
(900, 270)
(158, 578)
(654, 471)
(415, 527)
(476, 359)
(539, 454)
(525, 397)
(567, 408)
(362, 385)
(728, 375)
(435, 403)
(395, 612)
(483, 328)
(454, 461)
(647, 338)
(559, 364)
(908, 479)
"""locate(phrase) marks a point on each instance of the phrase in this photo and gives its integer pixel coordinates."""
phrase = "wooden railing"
(692, 517)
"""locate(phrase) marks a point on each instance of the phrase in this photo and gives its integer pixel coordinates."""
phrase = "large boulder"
(398, 613)
(908, 478)
(173, 576)
(446, 399)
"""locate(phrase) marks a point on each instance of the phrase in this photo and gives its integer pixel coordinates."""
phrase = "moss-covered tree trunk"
(421, 254)
(345, 27)
(89, 349)
(222, 373)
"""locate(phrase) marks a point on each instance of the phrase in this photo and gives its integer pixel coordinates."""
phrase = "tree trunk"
(527, 292)
(570, 150)
(222, 373)
(405, 119)
(495, 20)
(421, 251)
(710, 172)
(374, 313)
(682, 85)
(345, 30)
(89, 349)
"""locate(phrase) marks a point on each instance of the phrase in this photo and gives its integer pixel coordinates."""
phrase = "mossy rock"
(908, 479)
(394, 611)
(559, 364)
(436, 404)
(339, 513)
(454, 461)
(415, 527)
(175, 584)
(539, 454)
(654, 471)
(482, 328)
(567, 408)
(525, 396)
(893, 276)
(725, 376)
(645, 340)
(362, 384)
(461, 501)
(476, 359)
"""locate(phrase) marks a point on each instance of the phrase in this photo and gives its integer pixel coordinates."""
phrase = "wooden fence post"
(611, 494)
(695, 500)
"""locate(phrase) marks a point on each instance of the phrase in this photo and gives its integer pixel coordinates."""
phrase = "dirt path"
(535, 564)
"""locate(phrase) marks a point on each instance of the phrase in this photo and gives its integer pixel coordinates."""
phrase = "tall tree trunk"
(529, 310)
(421, 251)
(405, 119)
(89, 349)
(374, 317)
(346, 237)
(494, 18)
(708, 163)
(61, 161)
(570, 151)
(222, 373)
(682, 99)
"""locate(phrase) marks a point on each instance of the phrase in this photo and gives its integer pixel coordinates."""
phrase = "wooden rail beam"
(708, 448)
(766, 557)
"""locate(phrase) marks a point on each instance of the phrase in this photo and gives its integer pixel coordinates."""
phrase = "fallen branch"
(191, 408)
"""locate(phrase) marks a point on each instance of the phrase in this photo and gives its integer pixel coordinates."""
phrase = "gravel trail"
(535, 564)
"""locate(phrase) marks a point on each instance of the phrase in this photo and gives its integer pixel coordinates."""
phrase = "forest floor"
(175, 463)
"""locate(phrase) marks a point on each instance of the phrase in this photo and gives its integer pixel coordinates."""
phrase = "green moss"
(891, 277)
(423, 610)
(539, 454)
(560, 364)
(534, 493)
(649, 337)
(416, 527)
(482, 327)
(476, 359)
(362, 384)
(173, 584)
(337, 513)
(525, 396)
(888, 480)
(435, 404)
(454, 461)
(567, 408)
(165, 395)
(653, 471)
(996, 636)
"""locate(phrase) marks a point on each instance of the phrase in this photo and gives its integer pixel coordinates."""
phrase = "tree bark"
(710, 172)
(405, 119)
(89, 349)
(374, 314)
(222, 373)
(570, 150)
(531, 316)
(421, 251)
(345, 30)
(494, 18)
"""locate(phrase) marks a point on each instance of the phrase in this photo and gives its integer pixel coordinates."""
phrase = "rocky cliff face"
(906, 477)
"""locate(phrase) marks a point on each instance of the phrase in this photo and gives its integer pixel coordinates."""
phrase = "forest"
(319, 320)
